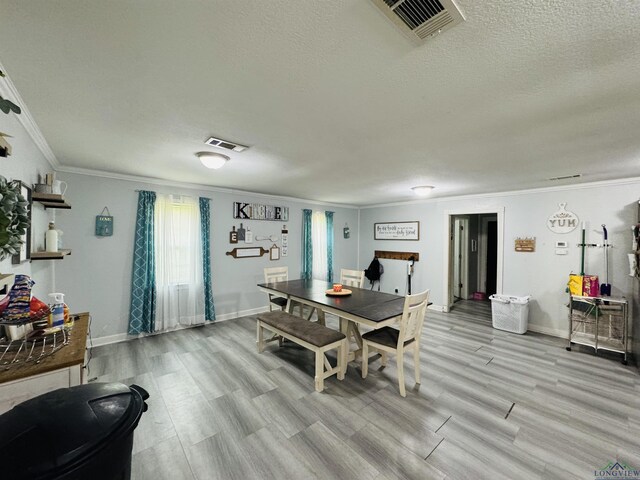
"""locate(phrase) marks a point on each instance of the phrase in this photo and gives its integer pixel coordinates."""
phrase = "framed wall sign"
(25, 248)
(274, 253)
(285, 241)
(396, 231)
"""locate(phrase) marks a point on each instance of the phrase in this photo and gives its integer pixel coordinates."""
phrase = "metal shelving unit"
(600, 323)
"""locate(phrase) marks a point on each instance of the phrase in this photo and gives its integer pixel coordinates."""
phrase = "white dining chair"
(391, 340)
(352, 278)
(279, 274)
(272, 275)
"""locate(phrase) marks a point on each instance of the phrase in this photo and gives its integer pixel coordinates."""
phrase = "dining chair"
(391, 340)
(279, 274)
(352, 278)
(272, 275)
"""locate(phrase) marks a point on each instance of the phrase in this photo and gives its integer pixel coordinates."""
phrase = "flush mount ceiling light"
(422, 190)
(212, 159)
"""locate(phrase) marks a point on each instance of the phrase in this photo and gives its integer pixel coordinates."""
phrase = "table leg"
(350, 329)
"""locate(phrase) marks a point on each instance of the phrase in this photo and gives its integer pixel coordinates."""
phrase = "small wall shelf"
(50, 200)
(50, 255)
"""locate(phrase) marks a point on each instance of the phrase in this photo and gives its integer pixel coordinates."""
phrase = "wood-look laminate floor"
(491, 405)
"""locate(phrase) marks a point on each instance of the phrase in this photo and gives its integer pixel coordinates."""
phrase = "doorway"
(460, 257)
(473, 254)
(487, 254)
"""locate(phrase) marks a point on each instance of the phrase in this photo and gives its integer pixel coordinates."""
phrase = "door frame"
(463, 265)
(483, 246)
(447, 278)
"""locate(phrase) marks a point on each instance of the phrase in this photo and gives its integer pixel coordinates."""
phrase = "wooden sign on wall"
(526, 244)
(396, 231)
(257, 211)
(563, 221)
(247, 252)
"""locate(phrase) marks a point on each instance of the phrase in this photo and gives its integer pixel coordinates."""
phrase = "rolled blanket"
(19, 308)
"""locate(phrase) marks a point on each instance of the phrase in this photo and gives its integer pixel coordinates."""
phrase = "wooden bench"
(312, 336)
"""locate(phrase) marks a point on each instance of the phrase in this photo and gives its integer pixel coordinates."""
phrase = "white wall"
(542, 273)
(25, 163)
(97, 275)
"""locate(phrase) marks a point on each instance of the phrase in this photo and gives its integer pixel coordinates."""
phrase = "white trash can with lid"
(510, 313)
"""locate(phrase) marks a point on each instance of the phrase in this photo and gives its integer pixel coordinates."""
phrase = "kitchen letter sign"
(256, 211)
(563, 221)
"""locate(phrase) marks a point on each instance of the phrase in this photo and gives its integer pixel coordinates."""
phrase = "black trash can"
(77, 433)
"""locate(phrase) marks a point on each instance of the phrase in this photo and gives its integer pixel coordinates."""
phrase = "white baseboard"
(108, 339)
(554, 332)
(243, 313)
(437, 308)
(123, 337)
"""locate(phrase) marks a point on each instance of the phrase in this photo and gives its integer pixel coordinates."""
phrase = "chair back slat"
(352, 278)
(415, 308)
(276, 274)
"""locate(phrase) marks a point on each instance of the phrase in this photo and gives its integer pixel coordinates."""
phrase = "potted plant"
(7, 105)
(14, 217)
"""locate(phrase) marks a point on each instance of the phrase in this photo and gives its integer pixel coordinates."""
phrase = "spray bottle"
(56, 318)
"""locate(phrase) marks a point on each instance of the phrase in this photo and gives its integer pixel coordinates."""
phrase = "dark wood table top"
(68, 356)
(368, 304)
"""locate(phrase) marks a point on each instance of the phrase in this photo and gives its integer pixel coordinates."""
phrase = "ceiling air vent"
(216, 142)
(421, 19)
(565, 177)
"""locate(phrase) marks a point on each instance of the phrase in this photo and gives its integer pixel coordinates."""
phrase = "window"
(178, 250)
(319, 241)
(317, 245)
(177, 233)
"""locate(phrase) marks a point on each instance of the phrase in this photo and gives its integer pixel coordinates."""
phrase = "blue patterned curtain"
(329, 216)
(142, 313)
(307, 246)
(205, 222)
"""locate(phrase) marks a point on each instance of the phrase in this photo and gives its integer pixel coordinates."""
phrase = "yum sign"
(562, 221)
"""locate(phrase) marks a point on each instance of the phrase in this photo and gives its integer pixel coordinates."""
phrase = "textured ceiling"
(336, 104)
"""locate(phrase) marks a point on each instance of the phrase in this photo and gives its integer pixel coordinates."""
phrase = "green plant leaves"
(8, 106)
(14, 217)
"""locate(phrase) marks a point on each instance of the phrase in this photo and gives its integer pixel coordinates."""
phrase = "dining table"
(361, 307)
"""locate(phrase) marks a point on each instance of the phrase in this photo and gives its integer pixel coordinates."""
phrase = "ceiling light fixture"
(212, 159)
(422, 190)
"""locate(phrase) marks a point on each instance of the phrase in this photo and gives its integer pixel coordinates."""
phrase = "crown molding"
(511, 193)
(8, 90)
(192, 186)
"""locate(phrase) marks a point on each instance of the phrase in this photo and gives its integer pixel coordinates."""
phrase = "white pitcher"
(59, 187)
